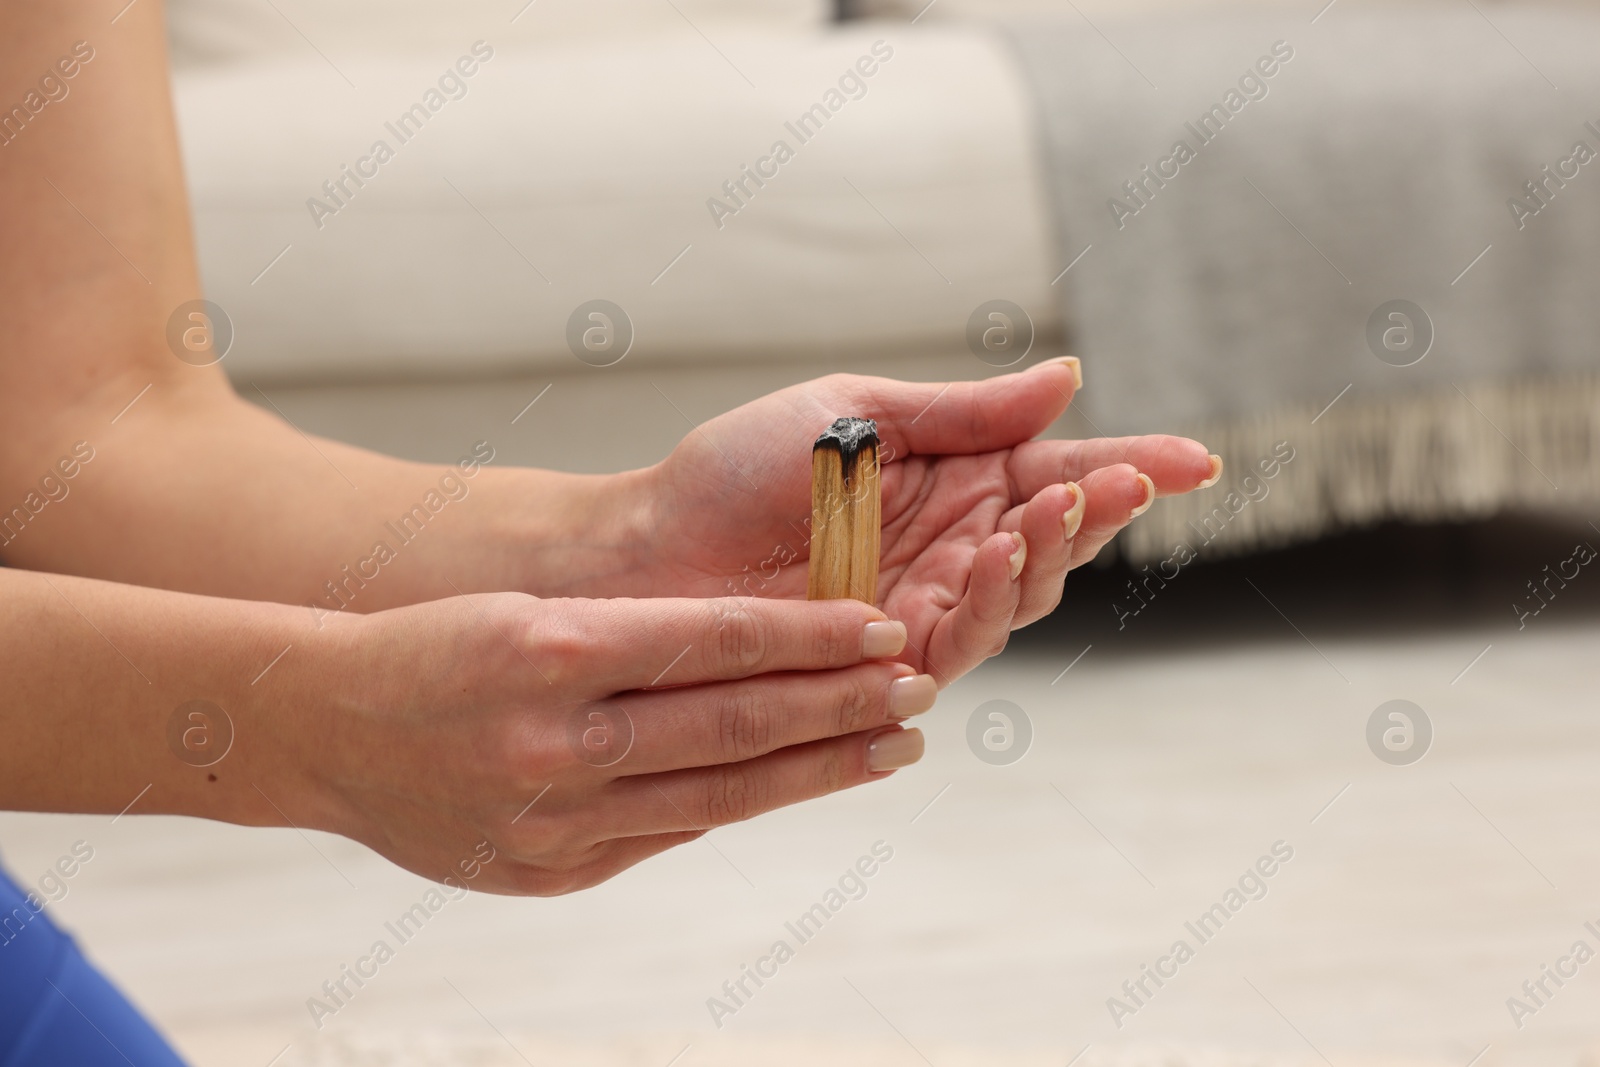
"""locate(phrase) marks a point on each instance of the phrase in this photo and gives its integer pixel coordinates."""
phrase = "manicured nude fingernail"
(1216, 472)
(1074, 515)
(1019, 556)
(1067, 361)
(880, 639)
(1149, 495)
(893, 749)
(912, 695)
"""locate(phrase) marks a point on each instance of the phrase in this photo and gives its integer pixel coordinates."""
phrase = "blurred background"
(1348, 244)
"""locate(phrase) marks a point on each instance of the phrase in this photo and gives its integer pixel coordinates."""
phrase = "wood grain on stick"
(845, 513)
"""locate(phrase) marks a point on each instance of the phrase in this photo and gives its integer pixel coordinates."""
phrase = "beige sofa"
(580, 162)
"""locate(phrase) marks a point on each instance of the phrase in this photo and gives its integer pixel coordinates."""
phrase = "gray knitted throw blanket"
(1371, 233)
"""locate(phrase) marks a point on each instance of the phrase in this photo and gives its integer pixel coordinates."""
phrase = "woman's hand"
(578, 737)
(980, 523)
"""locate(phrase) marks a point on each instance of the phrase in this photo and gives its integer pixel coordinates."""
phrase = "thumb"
(954, 418)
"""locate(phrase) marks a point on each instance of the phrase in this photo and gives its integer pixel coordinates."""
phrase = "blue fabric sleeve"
(55, 1008)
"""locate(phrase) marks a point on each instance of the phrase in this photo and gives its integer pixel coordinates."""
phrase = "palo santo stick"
(845, 513)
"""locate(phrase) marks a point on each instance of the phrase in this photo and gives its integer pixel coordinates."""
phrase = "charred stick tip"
(848, 436)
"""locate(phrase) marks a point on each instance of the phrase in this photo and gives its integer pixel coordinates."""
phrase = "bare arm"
(191, 488)
(94, 672)
(426, 732)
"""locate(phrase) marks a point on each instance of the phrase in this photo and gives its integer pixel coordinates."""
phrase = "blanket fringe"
(1457, 454)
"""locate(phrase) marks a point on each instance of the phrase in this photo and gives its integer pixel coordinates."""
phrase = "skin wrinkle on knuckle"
(741, 641)
(858, 703)
(733, 794)
(1013, 490)
(743, 723)
(829, 777)
(1009, 459)
(838, 641)
(978, 423)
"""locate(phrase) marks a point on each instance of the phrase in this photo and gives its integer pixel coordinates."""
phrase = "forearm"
(192, 489)
(97, 673)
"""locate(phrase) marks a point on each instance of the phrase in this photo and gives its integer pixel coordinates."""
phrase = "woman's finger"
(1174, 464)
(632, 644)
(1048, 523)
(730, 722)
(980, 624)
(704, 797)
(1062, 536)
(1113, 497)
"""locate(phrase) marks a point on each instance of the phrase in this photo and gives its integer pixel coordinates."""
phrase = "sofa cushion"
(566, 174)
(232, 31)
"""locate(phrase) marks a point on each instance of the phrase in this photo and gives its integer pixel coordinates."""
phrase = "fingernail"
(1019, 556)
(1066, 361)
(1149, 495)
(879, 639)
(893, 749)
(1216, 472)
(912, 695)
(1074, 515)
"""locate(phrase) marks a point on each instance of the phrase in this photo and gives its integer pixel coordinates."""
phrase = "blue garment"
(56, 1010)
